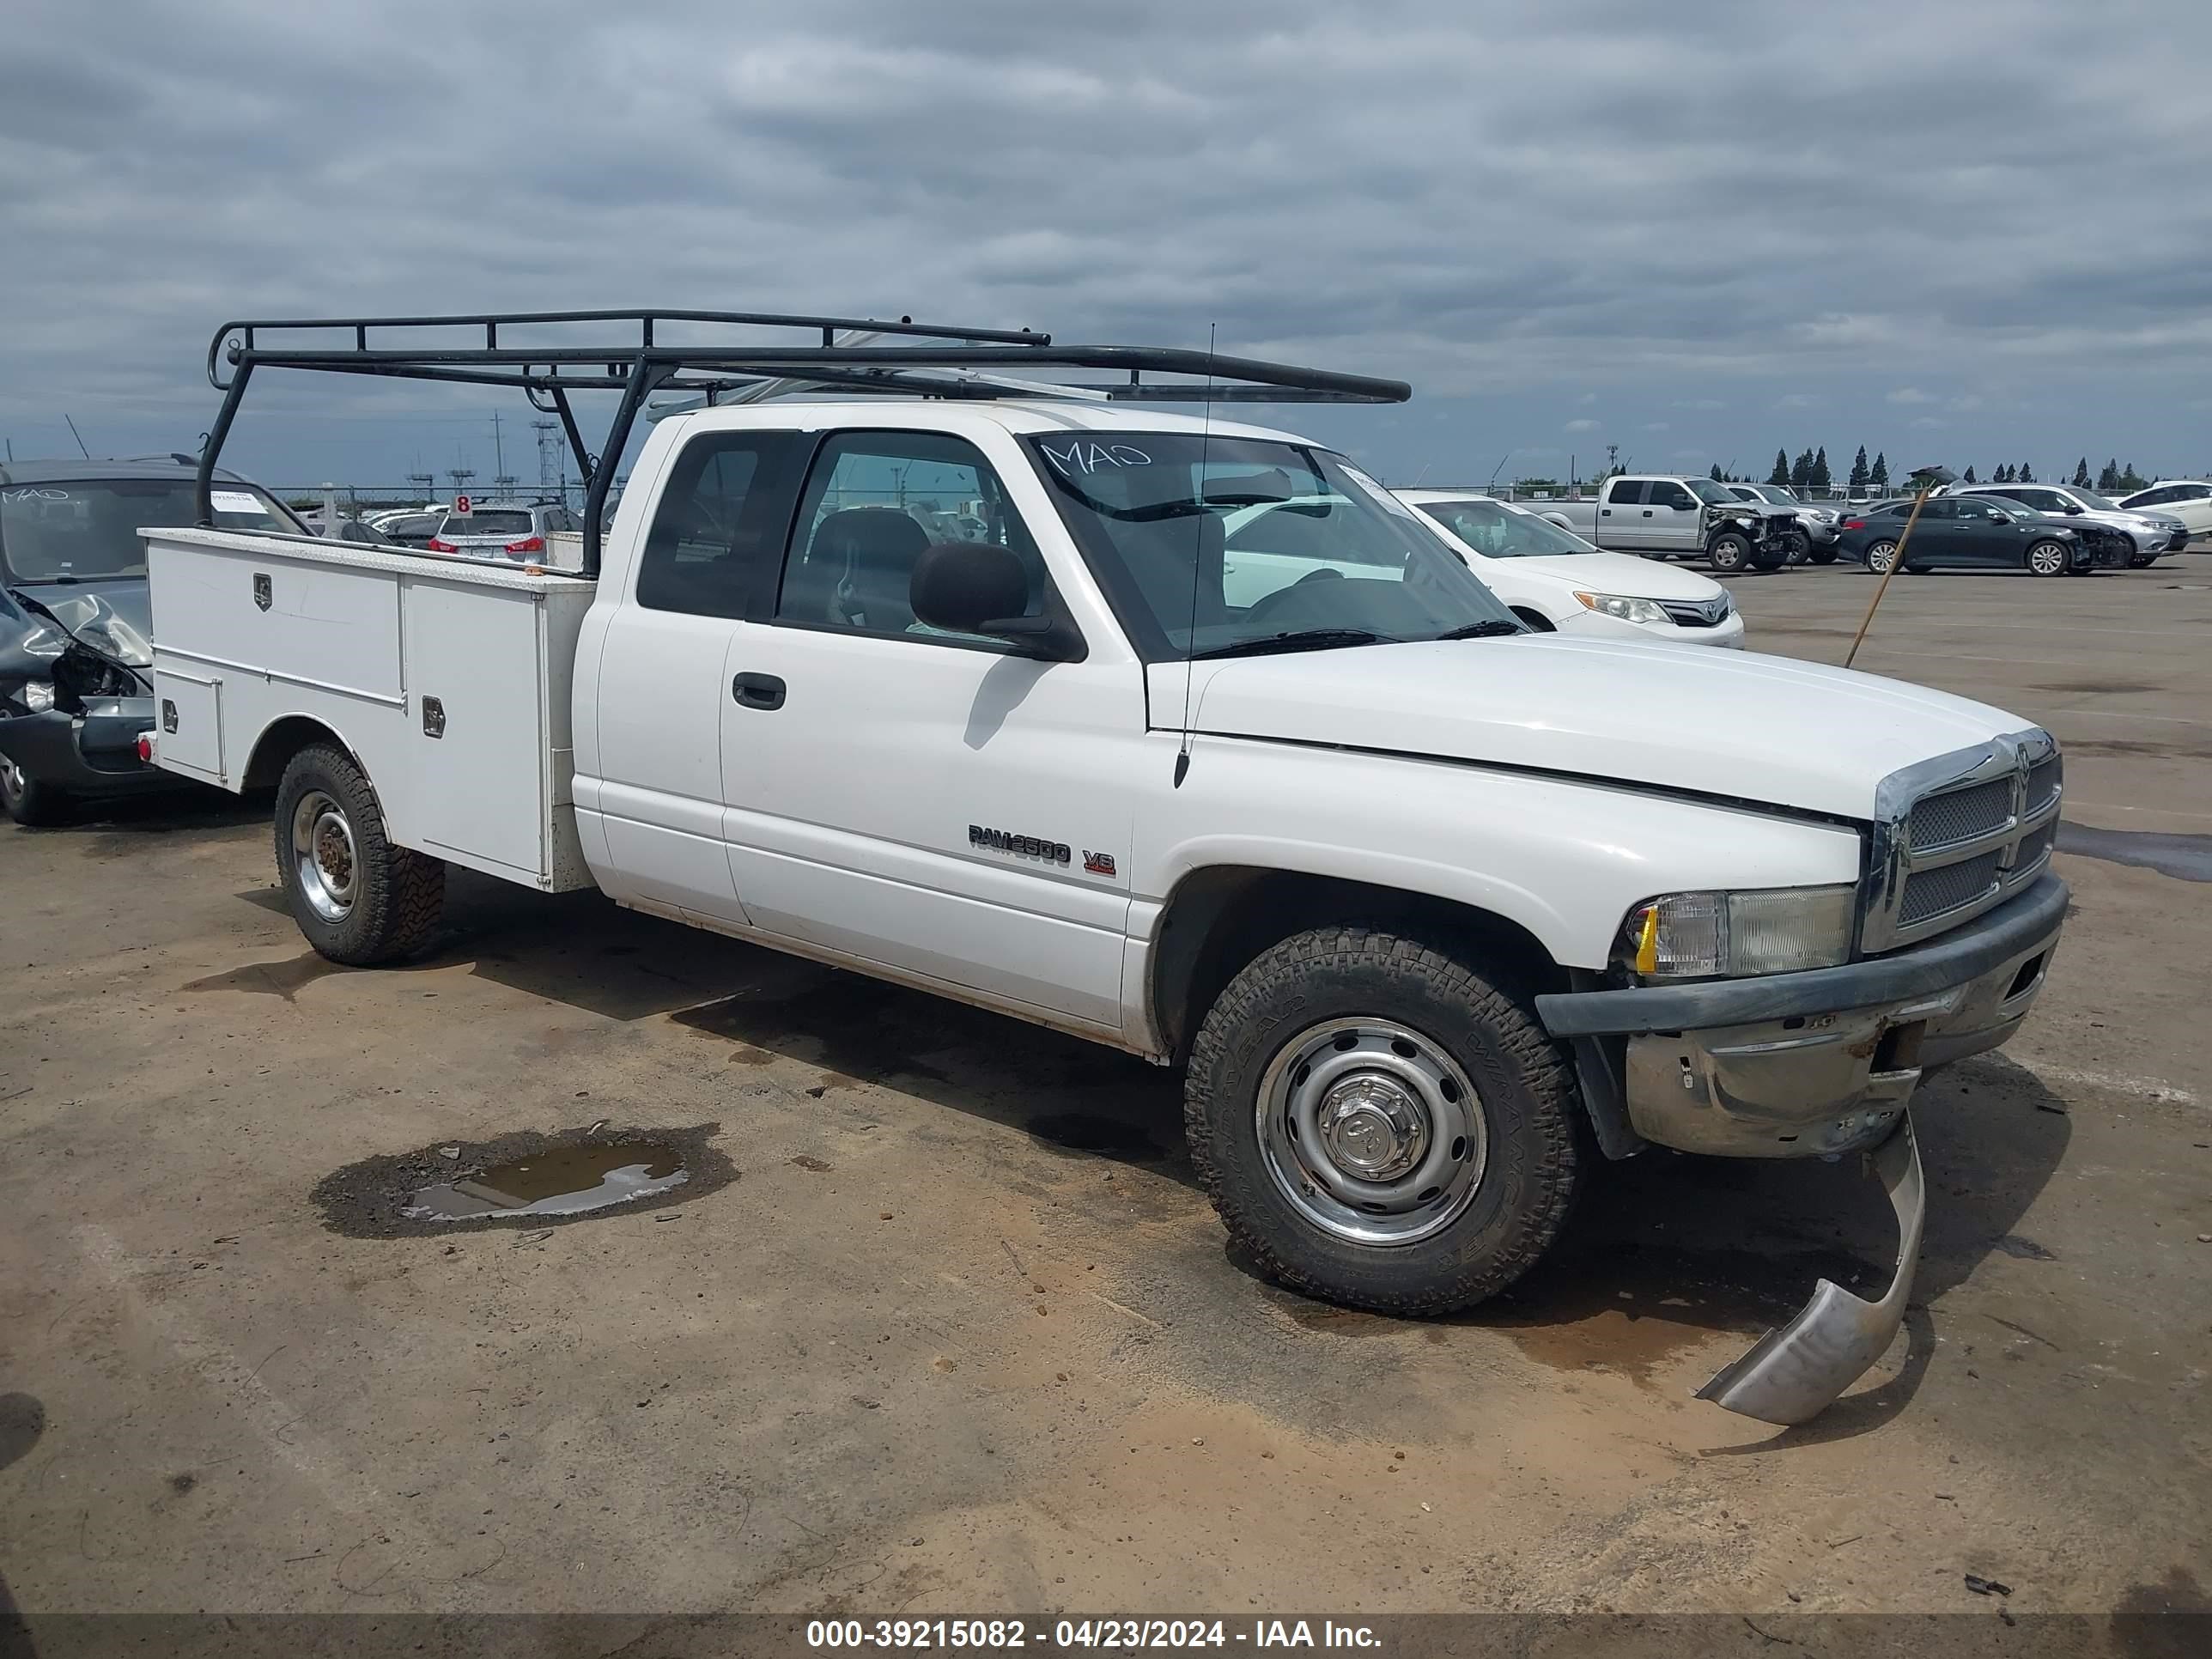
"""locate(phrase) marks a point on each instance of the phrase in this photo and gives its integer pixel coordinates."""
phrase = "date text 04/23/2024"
(1007, 1635)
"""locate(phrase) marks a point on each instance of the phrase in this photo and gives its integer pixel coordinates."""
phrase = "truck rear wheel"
(1729, 553)
(1380, 1124)
(359, 899)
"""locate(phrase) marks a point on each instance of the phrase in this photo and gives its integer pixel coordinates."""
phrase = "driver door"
(937, 806)
(1675, 519)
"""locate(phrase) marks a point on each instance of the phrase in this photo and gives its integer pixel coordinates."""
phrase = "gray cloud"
(1763, 217)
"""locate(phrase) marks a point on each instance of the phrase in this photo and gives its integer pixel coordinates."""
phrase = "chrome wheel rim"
(2046, 560)
(1880, 555)
(1372, 1131)
(324, 860)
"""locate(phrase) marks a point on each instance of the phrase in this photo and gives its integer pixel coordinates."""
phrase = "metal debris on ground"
(1981, 1586)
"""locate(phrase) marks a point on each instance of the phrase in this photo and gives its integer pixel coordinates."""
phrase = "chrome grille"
(1932, 893)
(1961, 815)
(1957, 834)
(1697, 613)
(2044, 779)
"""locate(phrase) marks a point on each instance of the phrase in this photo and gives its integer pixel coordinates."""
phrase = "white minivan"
(1553, 579)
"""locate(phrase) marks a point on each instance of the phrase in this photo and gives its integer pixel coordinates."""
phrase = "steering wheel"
(1269, 603)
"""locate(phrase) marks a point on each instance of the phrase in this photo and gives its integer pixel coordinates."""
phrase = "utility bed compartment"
(449, 680)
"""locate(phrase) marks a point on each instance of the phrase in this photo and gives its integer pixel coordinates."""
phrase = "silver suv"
(501, 530)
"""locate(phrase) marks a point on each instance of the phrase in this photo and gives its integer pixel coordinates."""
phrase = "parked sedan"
(1555, 582)
(2186, 499)
(2153, 533)
(410, 527)
(1972, 532)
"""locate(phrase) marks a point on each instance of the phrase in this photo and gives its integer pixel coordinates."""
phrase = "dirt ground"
(950, 1330)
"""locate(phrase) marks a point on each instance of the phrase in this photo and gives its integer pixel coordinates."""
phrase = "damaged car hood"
(113, 616)
(1723, 723)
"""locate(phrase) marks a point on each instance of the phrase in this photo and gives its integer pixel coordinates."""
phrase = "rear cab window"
(717, 530)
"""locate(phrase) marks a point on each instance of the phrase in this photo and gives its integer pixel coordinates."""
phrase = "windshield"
(481, 523)
(1207, 545)
(87, 530)
(2099, 503)
(1499, 532)
(1706, 491)
(1774, 493)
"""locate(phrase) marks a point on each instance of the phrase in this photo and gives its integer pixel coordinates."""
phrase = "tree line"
(1810, 471)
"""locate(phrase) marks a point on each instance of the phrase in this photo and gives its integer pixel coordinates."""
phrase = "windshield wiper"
(1307, 639)
(1494, 629)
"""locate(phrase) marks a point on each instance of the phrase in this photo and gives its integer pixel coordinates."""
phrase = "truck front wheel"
(1380, 1124)
(1729, 553)
(359, 899)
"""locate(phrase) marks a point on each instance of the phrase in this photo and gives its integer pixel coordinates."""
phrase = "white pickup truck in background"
(1676, 516)
(1429, 908)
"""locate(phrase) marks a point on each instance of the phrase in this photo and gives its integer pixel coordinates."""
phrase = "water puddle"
(566, 1181)
(2185, 858)
(530, 1178)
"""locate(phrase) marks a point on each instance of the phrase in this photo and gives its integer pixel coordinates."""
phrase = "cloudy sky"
(1699, 231)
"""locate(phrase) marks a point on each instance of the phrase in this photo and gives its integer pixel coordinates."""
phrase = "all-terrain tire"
(1523, 1086)
(395, 894)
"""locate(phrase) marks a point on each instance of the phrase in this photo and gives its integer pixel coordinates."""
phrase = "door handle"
(757, 690)
(1605, 513)
(1647, 511)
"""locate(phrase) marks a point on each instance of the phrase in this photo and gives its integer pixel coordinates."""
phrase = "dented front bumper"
(1816, 1063)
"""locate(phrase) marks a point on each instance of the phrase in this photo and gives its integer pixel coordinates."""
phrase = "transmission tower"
(549, 479)
(426, 483)
(460, 476)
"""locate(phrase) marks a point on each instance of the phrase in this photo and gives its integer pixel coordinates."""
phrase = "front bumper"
(1823, 1061)
(1727, 634)
(95, 753)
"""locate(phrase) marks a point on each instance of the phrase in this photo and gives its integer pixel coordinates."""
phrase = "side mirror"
(2075, 509)
(979, 587)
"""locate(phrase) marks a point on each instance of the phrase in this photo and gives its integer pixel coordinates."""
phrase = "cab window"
(874, 501)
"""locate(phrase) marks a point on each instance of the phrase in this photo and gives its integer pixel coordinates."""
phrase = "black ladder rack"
(855, 354)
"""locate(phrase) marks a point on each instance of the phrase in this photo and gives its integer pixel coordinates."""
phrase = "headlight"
(1776, 930)
(38, 695)
(1627, 609)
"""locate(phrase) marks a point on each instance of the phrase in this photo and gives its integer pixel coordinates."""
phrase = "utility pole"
(498, 451)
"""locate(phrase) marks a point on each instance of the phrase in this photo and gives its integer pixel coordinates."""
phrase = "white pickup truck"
(1677, 516)
(1431, 908)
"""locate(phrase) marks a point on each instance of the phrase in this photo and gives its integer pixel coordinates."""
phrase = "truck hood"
(1743, 724)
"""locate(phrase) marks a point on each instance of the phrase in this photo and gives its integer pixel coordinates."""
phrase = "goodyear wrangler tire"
(1380, 1124)
(359, 899)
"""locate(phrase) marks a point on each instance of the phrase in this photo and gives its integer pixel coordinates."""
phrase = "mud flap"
(1796, 1371)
